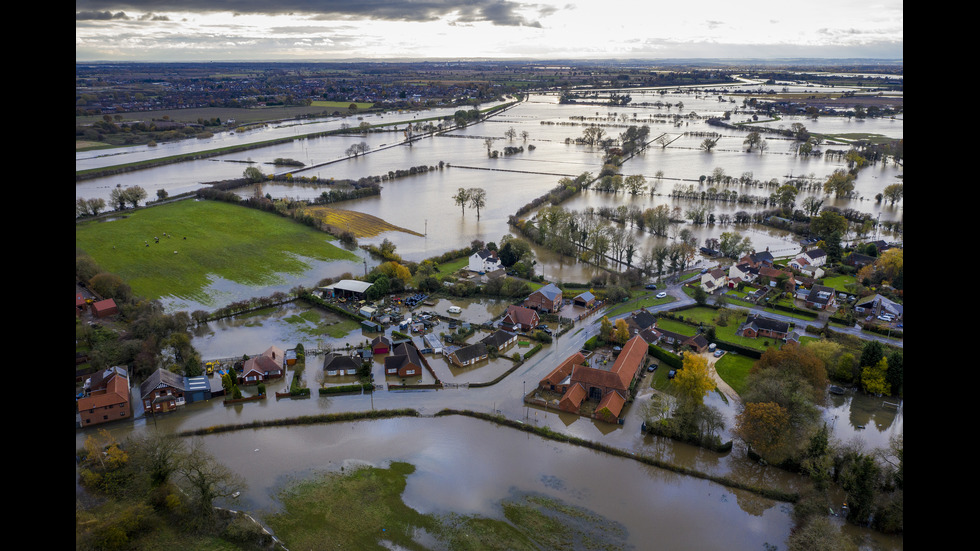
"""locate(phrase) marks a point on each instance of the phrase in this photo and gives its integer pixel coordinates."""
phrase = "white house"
(816, 257)
(713, 279)
(742, 272)
(484, 261)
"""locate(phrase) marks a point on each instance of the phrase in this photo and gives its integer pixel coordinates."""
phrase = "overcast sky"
(301, 30)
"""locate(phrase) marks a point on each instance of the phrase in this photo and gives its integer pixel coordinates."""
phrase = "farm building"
(346, 288)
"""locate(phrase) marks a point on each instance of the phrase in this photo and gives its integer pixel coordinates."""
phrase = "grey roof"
(339, 361)
(161, 377)
(471, 352)
(550, 291)
(498, 338)
(351, 285)
(197, 383)
(760, 322)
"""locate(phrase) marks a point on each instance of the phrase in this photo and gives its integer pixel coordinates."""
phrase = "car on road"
(662, 294)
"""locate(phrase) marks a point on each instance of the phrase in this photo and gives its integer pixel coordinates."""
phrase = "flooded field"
(482, 463)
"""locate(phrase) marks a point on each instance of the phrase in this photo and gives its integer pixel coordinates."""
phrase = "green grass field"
(207, 239)
(363, 509)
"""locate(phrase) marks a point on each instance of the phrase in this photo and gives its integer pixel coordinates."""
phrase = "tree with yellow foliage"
(621, 332)
(694, 380)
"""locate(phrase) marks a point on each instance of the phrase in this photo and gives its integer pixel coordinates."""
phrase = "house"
(468, 355)
(162, 391)
(819, 297)
(815, 257)
(859, 260)
(803, 265)
(755, 259)
(546, 299)
(519, 318)
(265, 366)
(758, 326)
(585, 300)
(404, 361)
(775, 274)
(741, 272)
(335, 365)
(104, 308)
(381, 344)
(579, 382)
(878, 305)
(713, 280)
(640, 320)
(500, 339)
(695, 342)
(484, 261)
(106, 398)
(559, 380)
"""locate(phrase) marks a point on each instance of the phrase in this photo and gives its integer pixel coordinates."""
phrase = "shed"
(104, 308)
(197, 389)
(585, 299)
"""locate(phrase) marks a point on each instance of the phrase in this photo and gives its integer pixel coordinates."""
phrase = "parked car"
(662, 294)
(719, 353)
(651, 287)
(671, 373)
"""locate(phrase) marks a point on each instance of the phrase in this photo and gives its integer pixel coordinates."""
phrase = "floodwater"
(485, 464)
(423, 202)
(482, 462)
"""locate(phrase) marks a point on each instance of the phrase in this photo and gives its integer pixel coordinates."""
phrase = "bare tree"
(207, 480)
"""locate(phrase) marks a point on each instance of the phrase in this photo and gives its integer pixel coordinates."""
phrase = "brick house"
(519, 318)
(404, 361)
(609, 387)
(758, 326)
(268, 365)
(162, 391)
(545, 299)
(335, 365)
(468, 355)
(106, 399)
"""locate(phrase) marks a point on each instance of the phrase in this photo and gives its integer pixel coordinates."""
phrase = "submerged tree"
(478, 199)
(461, 198)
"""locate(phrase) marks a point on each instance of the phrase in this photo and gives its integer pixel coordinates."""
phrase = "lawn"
(839, 283)
(734, 370)
(178, 249)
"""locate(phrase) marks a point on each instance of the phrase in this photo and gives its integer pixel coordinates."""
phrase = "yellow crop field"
(360, 224)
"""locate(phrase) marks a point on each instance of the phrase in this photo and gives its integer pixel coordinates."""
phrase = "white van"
(455, 309)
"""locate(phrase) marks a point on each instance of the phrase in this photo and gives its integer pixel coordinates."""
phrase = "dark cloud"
(497, 12)
(99, 15)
